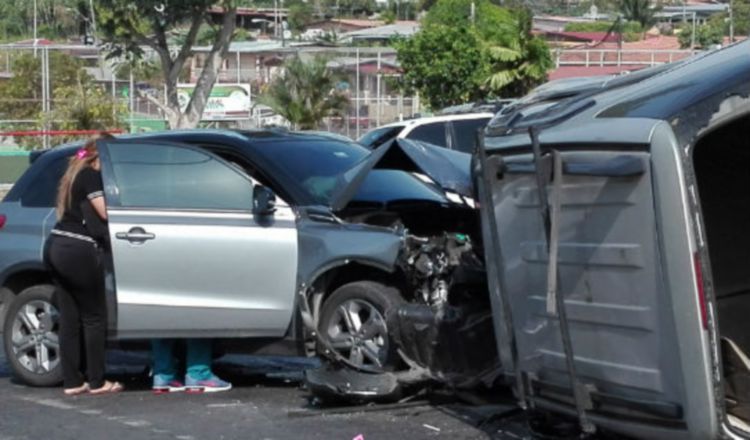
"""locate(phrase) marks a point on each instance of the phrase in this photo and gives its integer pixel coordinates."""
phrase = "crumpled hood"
(451, 170)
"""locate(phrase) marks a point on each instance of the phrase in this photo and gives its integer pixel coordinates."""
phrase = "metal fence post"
(380, 98)
(356, 100)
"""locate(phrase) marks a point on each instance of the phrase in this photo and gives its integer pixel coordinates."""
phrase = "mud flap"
(333, 384)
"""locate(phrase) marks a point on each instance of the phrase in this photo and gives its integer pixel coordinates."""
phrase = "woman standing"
(73, 253)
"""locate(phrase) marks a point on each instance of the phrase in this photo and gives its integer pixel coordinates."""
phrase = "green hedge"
(602, 26)
(11, 167)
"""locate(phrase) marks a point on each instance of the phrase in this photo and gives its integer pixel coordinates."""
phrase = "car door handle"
(135, 235)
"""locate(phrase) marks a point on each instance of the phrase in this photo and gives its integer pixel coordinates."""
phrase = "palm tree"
(306, 93)
(520, 63)
(640, 11)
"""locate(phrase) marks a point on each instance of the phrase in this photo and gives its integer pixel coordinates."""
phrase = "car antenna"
(556, 302)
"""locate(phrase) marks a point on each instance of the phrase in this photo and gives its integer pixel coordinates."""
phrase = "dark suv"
(267, 239)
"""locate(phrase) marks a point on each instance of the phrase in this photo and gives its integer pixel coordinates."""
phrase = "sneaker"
(211, 385)
(163, 385)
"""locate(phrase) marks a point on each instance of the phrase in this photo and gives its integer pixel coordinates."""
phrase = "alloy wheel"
(358, 332)
(34, 340)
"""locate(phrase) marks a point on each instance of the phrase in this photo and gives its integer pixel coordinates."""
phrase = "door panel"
(189, 256)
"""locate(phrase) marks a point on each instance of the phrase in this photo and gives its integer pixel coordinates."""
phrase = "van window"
(433, 133)
(379, 136)
(466, 133)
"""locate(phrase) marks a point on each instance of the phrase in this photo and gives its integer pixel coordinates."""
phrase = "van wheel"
(355, 326)
(30, 336)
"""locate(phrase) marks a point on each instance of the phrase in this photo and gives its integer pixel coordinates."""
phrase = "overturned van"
(616, 221)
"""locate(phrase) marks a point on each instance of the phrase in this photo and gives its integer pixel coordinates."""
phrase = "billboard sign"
(227, 102)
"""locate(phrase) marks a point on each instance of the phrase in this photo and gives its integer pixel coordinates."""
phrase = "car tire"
(356, 325)
(30, 337)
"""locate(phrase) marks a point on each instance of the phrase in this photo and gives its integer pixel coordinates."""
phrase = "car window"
(466, 133)
(433, 133)
(176, 177)
(377, 137)
(42, 192)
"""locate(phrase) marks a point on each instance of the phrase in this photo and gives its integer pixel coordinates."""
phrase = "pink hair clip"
(82, 153)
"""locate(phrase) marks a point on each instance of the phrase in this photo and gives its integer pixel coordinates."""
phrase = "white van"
(616, 229)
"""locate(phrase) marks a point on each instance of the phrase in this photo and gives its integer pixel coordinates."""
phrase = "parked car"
(456, 132)
(274, 241)
(616, 229)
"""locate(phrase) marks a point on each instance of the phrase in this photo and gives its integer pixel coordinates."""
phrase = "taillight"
(699, 287)
(2, 220)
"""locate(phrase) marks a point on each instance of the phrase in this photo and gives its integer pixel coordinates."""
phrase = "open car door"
(190, 257)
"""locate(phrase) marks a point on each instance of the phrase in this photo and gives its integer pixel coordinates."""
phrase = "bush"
(630, 27)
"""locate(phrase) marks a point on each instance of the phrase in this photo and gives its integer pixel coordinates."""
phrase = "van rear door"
(613, 274)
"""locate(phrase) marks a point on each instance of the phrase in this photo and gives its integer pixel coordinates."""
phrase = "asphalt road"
(268, 402)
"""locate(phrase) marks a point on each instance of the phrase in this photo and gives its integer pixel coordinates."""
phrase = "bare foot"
(77, 390)
(108, 388)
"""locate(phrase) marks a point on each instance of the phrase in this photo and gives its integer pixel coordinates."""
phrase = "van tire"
(38, 365)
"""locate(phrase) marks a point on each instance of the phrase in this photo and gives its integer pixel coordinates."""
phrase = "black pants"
(79, 280)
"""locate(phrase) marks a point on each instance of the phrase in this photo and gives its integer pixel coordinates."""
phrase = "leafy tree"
(447, 65)
(128, 25)
(706, 35)
(77, 103)
(641, 11)
(388, 16)
(300, 15)
(81, 107)
(399, 10)
(351, 8)
(21, 95)
(55, 18)
(491, 22)
(741, 14)
(457, 58)
(306, 93)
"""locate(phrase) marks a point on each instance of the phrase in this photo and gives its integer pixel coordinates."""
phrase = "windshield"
(377, 137)
(313, 165)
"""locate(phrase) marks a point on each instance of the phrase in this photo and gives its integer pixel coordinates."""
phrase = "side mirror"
(264, 201)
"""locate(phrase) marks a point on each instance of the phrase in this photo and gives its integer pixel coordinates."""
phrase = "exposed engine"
(446, 329)
(434, 265)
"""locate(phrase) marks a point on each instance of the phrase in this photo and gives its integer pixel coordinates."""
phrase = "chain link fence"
(28, 115)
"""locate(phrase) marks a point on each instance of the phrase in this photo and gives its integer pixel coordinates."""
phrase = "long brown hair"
(84, 157)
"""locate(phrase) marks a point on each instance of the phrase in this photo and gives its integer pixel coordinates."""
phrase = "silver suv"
(268, 239)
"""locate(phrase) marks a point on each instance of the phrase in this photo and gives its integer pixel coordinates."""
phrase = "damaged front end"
(442, 329)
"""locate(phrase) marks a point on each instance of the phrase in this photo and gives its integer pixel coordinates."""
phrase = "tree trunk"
(172, 68)
(210, 72)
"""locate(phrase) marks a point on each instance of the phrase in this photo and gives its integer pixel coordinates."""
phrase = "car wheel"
(30, 337)
(354, 324)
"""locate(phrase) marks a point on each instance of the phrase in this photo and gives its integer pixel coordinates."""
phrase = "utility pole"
(35, 39)
(692, 37)
(93, 21)
(731, 21)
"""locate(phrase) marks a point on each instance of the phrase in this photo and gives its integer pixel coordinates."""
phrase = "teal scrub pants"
(197, 363)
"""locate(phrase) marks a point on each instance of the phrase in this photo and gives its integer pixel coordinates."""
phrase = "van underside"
(721, 161)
